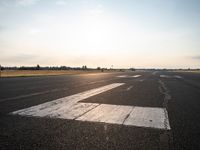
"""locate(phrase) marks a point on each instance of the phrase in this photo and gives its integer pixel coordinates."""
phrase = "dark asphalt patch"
(42, 133)
(16, 104)
(145, 94)
(184, 114)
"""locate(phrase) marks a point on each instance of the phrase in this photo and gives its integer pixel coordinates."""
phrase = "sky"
(100, 33)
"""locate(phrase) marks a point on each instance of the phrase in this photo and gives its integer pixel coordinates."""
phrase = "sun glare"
(96, 32)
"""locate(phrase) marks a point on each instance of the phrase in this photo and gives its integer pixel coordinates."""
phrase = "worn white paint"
(179, 77)
(122, 76)
(155, 72)
(136, 76)
(128, 115)
(70, 108)
(63, 103)
(127, 76)
(165, 76)
(148, 117)
(74, 111)
(114, 114)
(129, 88)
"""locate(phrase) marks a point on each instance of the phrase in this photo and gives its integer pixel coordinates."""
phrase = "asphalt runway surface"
(127, 110)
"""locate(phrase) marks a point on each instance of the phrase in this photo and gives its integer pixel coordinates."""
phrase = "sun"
(96, 32)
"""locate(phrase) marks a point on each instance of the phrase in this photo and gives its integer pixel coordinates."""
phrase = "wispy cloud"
(34, 31)
(26, 2)
(98, 10)
(25, 57)
(18, 58)
(196, 57)
(61, 2)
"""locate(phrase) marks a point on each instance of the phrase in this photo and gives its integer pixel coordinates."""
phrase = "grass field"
(195, 71)
(26, 73)
(191, 71)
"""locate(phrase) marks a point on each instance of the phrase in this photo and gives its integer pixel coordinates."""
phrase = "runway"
(127, 110)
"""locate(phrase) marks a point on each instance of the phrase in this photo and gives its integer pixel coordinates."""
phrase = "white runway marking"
(74, 111)
(155, 72)
(136, 76)
(122, 76)
(128, 115)
(70, 108)
(179, 77)
(48, 108)
(114, 114)
(127, 76)
(130, 87)
(165, 76)
(148, 117)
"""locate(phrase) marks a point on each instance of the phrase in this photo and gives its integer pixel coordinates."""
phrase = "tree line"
(84, 67)
(38, 67)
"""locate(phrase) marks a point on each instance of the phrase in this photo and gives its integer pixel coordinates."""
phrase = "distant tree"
(98, 68)
(38, 67)
(1, 67)
(0, 70)
(84, 67)
(64, 68)
(132, 69)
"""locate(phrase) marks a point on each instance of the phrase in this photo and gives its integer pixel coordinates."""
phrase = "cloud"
(97, 11)
(26, 2)
(61, 2)
(34, 31)
(20, 59)
(25, 57)
(196, 57)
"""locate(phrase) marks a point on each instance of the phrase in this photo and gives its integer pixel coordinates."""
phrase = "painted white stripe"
(114, 114)
(130, 87)
(128, 115)
(126, 76)
(179, 77)
(136, 76)
(48, 108)
(70, 108)
(122, 76)
(148, 117)
(155, 72)
(165, 76)
(74, 111)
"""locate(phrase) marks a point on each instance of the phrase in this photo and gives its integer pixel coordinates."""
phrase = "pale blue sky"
(122, 33)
